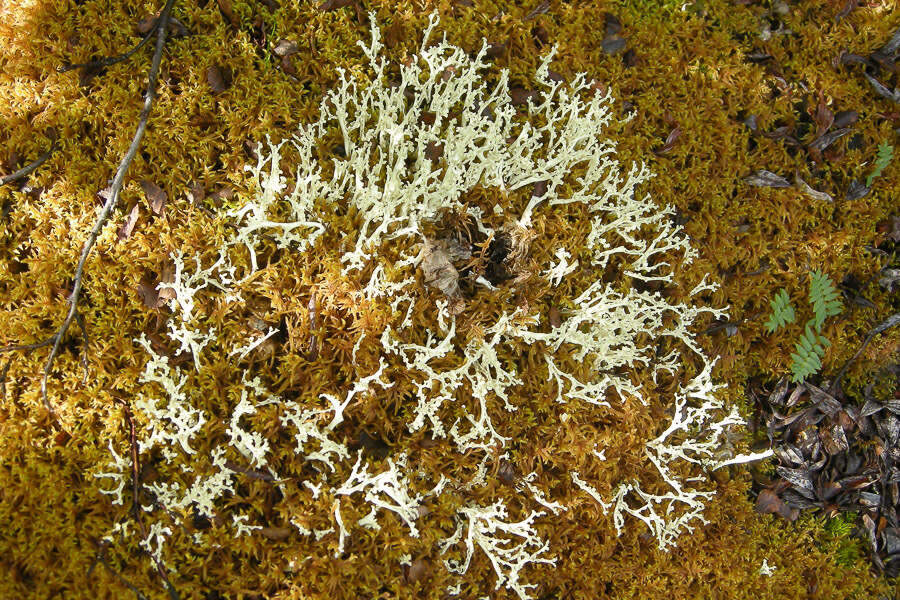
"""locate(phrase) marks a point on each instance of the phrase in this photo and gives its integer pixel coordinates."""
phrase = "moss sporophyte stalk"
(547, 310)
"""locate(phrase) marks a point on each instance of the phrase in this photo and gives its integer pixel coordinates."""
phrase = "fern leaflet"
(807, 358)
(782, 311)
(885, 153)
(824, 298)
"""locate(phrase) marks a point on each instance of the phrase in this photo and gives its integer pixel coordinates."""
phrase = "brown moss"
(691, 71)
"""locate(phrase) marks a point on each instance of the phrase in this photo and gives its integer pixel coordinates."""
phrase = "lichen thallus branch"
(159, 28)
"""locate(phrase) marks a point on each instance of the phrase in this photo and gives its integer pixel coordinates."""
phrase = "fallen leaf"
(417, 570)
(816, 195)
(856, 190)
(520, 96)
(285, 48)
(175, 28)
(882, 90)
(630, 58)
(670, 141)
(613, 44)
(275, 533)
(334, 4)
(845, 118)
(763, 178)
(611, 24)
(227, 11)
(437, 265)
(768, 503)
(128, 226)
(218, 79)
(540, 9)
(155, 195)
(826, 139)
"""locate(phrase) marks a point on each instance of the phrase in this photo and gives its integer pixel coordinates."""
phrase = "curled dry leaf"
(763, 178)
(768, 503)
(417, 570)
(670, 142)
(437, 266)
(826, 139)
(218, 78)
(540, 9)
(856, 190)
(816, 195)
(275, 533)
(227, 11)
(155, 195)
(285, 48)
(613, 44)
(175, 28)
(334, 4)
(130, 221)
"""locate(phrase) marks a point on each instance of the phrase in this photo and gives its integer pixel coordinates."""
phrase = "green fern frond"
(808, 354)
(782, 311)
(884, 156)
(824, 298)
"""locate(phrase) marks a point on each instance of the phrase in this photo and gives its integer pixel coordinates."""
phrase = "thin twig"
(28, 347)
(113, 197)
(891, 321)
(111, 60)
(253, 474)
(136, 492)
(3, 375)
(101, 558)
(27, 169)
(84, 350)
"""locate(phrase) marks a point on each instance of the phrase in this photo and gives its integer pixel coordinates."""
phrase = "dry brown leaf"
(275, 533)
(219, 79)
(334, 4)
(763, 178)
(130, 221)
(227, 11)
(540, 9)
(156, 196)
(285, 48)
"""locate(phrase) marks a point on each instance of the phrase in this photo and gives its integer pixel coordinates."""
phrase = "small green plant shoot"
(782, 311)
(884, 156)
(823, 297)
(810, 348)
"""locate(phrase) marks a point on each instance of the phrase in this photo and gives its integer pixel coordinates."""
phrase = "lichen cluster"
(316, 415)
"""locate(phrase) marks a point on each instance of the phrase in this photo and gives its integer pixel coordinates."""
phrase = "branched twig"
(111, 60)
(101, 558)
(136, 491)
(113, 197)
(30, 347)
(84, 351)
(27, 169)
(3, 375)
(253, 474)
(891, 321)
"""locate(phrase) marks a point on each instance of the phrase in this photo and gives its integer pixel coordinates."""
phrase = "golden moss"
(691, 71)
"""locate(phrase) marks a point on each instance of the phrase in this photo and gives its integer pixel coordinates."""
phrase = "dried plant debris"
(837, 457)
(881, 66)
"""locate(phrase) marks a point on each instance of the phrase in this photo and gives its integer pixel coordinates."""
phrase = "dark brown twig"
(253, 474)
(891, 321)
(3, 375)
(84, 351)
(111, 60)
(113, 197)
(136, 491)
(101, 558)
(27, 169)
